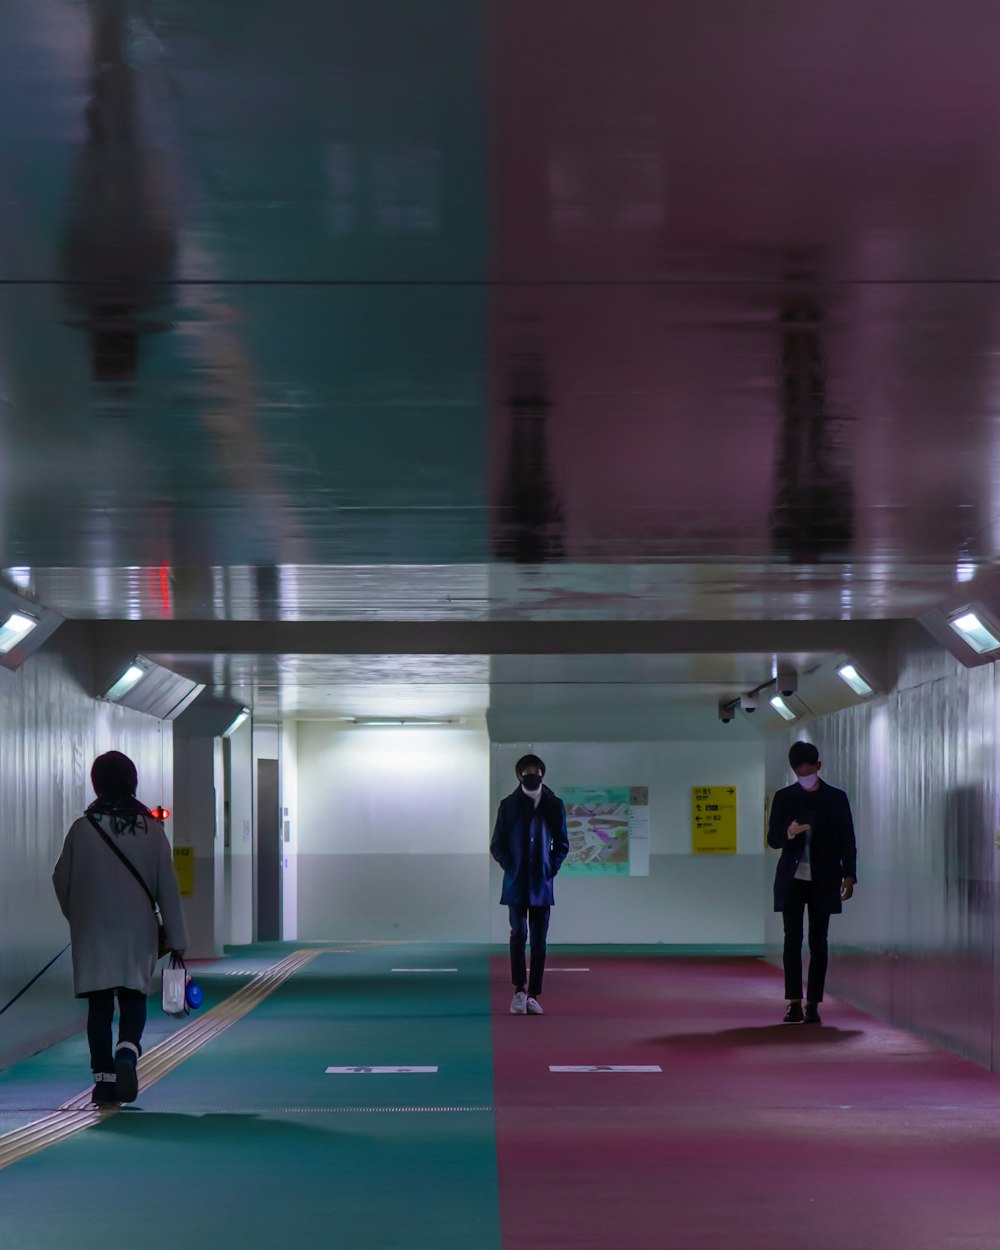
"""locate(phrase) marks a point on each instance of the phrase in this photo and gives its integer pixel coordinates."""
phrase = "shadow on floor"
(764, 1035)
(222, 1129)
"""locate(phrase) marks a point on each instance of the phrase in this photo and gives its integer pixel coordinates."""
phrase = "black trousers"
(801, 895)
(521, 920)
(131, 1022)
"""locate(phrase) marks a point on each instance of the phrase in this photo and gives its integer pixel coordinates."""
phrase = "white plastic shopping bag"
(174, 988)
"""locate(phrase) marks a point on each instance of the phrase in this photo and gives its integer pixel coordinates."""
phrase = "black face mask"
(531, 781)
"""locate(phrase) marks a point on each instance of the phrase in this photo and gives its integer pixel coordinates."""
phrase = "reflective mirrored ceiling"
(492, 310)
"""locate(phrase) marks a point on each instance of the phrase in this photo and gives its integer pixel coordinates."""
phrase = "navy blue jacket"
(833, 852)
(529, 862)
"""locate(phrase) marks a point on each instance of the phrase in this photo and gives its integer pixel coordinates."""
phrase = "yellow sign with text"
(184, 868)
(713, 820)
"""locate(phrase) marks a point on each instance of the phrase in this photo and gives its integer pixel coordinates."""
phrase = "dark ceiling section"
(528, 523)
(230, 250)
(497, 310)
(119, 248)
(813, 505)
(756, 238)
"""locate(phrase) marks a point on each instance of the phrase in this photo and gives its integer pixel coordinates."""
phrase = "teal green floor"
(250, 1141)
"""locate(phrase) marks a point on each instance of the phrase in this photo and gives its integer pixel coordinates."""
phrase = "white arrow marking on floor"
(366, 1070)
(607, 1067)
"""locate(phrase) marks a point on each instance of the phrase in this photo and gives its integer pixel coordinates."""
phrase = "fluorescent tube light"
(971, 630)
(16, 627)
(236, 723)
(130, 678)
(850, 676)
(782, 708)
(396, 721)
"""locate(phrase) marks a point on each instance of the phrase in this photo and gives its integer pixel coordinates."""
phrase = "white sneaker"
(518, 1004)
(534, 1007)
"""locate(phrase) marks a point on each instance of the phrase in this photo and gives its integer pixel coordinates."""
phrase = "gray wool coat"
(111, 924)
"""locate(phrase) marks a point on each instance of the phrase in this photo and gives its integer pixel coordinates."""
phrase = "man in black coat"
(812, 826)
(529, 843)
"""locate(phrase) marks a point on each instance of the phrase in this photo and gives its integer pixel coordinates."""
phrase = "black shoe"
(105, 1089)
(794, 1014)
(812, 1014)
(125, 1073)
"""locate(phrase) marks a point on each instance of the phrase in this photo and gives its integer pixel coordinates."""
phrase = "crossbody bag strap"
(126, 861)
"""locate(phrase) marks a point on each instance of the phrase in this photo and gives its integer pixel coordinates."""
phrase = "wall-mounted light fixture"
(24, 624)
(15, 629)
(237, 721)
(967, 624)
(971, 629)
(128, 680)
(849, 675)
(146, 686)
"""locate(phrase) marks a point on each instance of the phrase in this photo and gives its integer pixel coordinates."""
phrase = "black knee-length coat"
(529, 863)
(833, 852)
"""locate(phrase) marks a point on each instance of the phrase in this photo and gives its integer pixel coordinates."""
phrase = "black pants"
(131, 1022)
(801, 895)
(521, 920)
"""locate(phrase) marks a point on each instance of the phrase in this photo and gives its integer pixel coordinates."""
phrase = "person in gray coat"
(112, 924)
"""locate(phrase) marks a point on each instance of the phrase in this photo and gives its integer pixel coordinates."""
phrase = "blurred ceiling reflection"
(486, 309)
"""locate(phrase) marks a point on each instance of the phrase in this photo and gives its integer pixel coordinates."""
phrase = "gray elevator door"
(268, 853)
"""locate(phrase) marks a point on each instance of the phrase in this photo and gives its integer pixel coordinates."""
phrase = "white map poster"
(608, 831)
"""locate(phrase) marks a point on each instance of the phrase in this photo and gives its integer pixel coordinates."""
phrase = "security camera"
(726, 712)
(787, 683)
(749, 702)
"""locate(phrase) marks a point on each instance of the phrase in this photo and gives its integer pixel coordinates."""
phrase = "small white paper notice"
(638, 831)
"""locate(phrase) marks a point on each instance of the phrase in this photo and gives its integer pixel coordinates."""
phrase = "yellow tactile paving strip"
(78, 1114)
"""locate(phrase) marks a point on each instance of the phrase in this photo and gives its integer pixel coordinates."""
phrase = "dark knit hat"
(114, 776)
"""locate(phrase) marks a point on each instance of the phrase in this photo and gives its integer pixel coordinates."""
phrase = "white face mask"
(810, 782)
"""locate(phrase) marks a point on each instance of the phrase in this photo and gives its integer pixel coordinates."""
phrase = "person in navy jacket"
(811, 824)
(529, 843)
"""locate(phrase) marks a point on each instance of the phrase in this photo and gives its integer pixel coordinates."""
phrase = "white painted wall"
(393, 830)
(686, 899)
(393, 827)
(919, 943)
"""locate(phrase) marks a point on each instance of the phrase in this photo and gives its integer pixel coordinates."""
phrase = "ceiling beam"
(488, 637)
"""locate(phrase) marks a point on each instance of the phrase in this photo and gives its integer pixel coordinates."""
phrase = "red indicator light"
(160, 813)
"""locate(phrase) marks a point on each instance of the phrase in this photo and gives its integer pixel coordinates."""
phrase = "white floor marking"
(378, 1070)
(606, 1067)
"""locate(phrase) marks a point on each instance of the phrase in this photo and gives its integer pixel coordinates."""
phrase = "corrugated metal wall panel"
(917, 942)
(50, 731)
